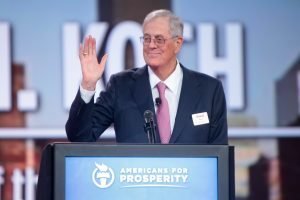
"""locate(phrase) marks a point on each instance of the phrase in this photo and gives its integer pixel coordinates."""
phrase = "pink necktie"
(163, 116)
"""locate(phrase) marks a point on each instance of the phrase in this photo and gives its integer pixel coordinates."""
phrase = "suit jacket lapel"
(187, 101)
(141, 91)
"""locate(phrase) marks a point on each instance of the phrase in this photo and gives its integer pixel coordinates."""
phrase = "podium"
(91, 171)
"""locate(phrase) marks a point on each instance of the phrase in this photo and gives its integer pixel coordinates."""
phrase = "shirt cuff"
(86, 95)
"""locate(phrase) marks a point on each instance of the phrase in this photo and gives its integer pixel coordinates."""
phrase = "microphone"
(157, 101)
(149, 126)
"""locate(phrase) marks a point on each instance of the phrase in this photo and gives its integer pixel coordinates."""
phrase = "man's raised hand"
(91, 69)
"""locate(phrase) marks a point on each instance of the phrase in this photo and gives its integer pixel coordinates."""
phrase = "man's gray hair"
(175, 23)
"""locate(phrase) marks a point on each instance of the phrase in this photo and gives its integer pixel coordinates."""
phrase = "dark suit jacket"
(128, 95)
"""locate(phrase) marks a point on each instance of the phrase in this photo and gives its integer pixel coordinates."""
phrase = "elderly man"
(190, 107)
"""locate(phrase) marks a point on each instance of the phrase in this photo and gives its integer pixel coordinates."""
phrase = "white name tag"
(200, 118)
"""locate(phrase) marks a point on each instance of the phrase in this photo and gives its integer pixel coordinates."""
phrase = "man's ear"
(179, 42)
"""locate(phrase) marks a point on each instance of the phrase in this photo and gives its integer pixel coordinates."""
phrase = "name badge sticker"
(200, 118)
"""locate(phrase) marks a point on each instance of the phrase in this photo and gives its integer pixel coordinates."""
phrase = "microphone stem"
(150, 129)
(149, 126)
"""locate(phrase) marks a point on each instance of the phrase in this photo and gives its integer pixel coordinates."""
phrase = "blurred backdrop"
(252, 46)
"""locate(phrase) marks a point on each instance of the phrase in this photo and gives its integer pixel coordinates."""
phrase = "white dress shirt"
(86, 95)
(172, 93)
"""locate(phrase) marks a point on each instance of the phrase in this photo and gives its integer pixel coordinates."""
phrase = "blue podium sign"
(145, 172)
(141, 178)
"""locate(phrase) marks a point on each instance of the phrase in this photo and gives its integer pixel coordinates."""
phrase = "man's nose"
(152, 43)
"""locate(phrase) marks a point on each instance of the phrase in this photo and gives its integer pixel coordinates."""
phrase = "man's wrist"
(88, 85)
(86, 95)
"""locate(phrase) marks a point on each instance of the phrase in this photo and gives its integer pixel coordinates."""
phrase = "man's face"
(162, 49)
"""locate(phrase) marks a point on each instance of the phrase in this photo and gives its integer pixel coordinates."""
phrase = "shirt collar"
(171, 82)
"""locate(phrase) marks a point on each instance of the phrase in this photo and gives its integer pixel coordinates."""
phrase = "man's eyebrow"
(158, 35)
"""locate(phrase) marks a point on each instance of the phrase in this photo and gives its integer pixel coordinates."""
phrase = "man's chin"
(153, 65)
(153, 60)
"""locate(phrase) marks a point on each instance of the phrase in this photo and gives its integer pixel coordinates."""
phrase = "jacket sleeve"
(87, 122)
(219, 130)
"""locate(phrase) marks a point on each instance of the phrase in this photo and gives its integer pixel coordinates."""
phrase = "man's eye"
(159, 40)
(147, 39)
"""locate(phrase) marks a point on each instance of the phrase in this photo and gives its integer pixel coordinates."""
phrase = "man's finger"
(85, 46)
(90, 47)
(103, 61)
(80, 51)
(94, 47)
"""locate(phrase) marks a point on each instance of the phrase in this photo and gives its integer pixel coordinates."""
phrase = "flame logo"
(103, 176)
